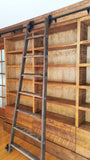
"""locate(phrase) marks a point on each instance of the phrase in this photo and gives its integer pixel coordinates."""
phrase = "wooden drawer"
(63, 135)
(83, 140)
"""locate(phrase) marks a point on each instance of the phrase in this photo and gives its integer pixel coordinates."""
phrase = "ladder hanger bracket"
(30, 25)
(88, 10)
(50, 19)
(14, 31)
(55, 20)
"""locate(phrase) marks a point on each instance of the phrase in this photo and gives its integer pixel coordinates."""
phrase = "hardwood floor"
(15, 155)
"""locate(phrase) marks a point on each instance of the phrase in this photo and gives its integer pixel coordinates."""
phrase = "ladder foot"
(8, 148)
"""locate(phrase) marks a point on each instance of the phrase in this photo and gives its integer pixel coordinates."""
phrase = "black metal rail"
(51, 19)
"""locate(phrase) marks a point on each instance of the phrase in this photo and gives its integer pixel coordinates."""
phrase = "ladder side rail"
(19, 89)
(44, 92)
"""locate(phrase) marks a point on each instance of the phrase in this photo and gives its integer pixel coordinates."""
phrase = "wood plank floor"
(15, 155)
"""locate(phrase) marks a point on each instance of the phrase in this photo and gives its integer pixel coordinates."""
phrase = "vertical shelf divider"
(80, 95)
(77, 71)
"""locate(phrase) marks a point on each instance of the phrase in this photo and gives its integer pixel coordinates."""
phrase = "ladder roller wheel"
(8, 149)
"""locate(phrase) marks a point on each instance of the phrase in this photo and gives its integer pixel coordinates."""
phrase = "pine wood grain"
(56, 150)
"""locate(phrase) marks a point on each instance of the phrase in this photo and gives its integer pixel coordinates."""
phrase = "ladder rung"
(28, 133)
(24, 151)
(35, 115)
(32, 75)
(34, 56)
(30, 94)
(37, 36)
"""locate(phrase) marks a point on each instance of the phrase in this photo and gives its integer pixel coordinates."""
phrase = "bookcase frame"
(74, 39)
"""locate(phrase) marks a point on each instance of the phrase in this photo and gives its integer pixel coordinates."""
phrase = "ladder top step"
(32, 75)
(28, 133)
(36, 36)
(24, 151)
(33, 56)
(31, 94)
(35, 115)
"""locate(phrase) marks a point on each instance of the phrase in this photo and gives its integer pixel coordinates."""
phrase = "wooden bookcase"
(83, 88)
(68, 104)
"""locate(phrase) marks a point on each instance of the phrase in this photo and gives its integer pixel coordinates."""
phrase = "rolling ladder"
(41, 139)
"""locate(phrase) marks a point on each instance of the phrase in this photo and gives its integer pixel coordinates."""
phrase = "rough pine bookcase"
(68, 102)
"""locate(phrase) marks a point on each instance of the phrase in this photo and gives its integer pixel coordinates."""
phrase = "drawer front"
(61, 136)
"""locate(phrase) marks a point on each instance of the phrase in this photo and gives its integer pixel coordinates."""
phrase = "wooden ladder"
(41, 139)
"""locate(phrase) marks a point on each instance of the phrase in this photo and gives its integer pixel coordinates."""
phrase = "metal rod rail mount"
(31, 24)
